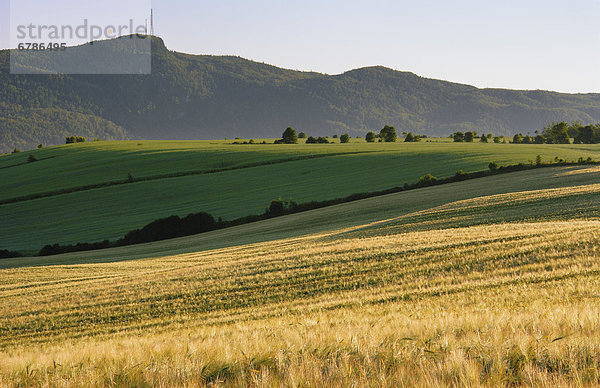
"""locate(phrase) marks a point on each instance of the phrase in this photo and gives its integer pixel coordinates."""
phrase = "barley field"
(490, 282)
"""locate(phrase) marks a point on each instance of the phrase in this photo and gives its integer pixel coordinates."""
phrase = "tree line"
(555, 133)
(387, 134)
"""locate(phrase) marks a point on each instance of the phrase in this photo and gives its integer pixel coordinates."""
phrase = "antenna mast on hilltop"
(152, 21)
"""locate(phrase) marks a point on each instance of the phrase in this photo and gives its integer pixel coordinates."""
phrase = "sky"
(526, 44)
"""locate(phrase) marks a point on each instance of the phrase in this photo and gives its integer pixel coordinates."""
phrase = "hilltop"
(212, 97)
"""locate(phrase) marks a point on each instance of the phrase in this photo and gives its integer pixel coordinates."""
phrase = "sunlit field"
(489, 282)
(225, 180)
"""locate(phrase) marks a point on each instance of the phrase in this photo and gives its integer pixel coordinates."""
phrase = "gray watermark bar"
(108, 37)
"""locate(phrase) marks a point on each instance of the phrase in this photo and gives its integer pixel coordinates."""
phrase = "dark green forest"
(204, 97)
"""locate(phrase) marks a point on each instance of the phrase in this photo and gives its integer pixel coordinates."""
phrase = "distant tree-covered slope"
(202, 97)
(25, 128)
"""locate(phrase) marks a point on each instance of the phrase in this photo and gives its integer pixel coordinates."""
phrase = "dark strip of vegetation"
(131, 179)
(74, 139)
(4, 254)
(56, 249)
(196, 223)
(555, 133)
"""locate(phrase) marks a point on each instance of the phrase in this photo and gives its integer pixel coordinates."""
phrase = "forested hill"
(203, 97)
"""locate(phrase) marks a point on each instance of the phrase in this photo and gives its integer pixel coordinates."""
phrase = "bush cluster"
(318, 140)
(74, 139)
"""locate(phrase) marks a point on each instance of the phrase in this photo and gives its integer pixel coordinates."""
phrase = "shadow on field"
(335, 218)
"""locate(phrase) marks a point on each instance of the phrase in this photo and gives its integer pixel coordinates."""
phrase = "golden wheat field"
(495, 283)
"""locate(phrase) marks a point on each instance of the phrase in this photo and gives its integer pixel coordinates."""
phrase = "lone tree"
(371, 136)
(538, 160)
(345, 138)
(409, 138)
(388, 134)
(289, 136)
(427, 180)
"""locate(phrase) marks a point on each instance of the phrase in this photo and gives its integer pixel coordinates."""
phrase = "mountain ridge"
(208, 97)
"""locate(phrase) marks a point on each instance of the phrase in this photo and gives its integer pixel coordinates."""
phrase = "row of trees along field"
(387, 134)
(555, 133)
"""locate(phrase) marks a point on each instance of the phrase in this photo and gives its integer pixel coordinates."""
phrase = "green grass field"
(226, 180)
(488, 282)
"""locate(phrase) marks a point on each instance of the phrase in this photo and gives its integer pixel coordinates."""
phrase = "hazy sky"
(525, 44)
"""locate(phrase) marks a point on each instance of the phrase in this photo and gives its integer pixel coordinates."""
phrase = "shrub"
(493, 166)
(388, 134)
(32, 158)
(279, 207)
(302, 135)
(345, 138)
(16, 151)
(276, 208)
(370, 137)
(458, 137)
(469, 136)
(170, 227)
(427, 180)
(319, 140)
(538, 160)
(74, 139)
(483, 139)
(460, 175)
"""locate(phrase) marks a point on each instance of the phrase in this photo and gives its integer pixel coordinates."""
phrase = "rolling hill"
(487, 282)
(213, 97)
(81, 192)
